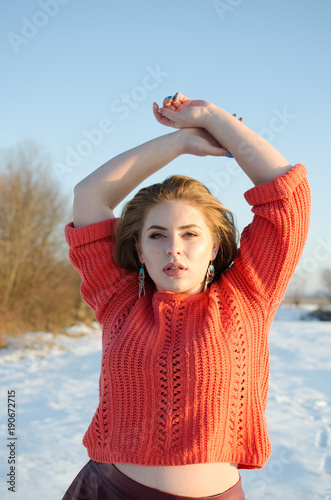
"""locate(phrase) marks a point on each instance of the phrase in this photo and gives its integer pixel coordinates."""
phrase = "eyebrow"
(181, 227)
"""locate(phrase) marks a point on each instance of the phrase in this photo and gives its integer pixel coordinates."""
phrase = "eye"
(190, 235)
(156, 236)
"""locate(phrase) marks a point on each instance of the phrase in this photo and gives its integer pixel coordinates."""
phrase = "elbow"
(79, 188)
(83, 192)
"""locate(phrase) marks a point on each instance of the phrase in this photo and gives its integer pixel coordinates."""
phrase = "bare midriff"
(195, 480)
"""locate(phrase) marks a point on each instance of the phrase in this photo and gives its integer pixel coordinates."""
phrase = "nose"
(173, 247)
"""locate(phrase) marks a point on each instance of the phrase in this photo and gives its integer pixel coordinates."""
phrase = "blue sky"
(79, 79)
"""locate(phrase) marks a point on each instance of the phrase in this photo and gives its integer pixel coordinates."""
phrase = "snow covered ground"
(56, 394)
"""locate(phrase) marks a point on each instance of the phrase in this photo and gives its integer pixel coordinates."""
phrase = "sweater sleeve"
(271, 246)
(90, 252)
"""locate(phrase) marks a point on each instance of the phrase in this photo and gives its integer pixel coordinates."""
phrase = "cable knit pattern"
(184, 378)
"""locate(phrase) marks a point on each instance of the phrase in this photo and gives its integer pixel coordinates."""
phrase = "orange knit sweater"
(184, 378)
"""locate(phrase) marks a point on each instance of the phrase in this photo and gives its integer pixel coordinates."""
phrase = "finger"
(161, 118)
(156, 110)
(239, 119)
(157, 113)
(171, 102)
(169, 114)
(181, 102)
(176, 102)
(167, 101)
(180, 97)
(218, 151)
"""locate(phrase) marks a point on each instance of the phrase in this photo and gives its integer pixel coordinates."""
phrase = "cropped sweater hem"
(244, 461)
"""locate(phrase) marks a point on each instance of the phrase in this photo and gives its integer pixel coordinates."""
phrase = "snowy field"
(56, 394)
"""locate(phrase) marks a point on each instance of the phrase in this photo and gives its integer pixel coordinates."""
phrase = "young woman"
(185, 315)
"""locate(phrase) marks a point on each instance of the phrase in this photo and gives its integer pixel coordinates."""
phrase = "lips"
(173, 265)
(174, 269)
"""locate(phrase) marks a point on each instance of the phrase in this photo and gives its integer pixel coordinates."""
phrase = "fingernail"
(169, 98)
(175, 96)
(229, 155)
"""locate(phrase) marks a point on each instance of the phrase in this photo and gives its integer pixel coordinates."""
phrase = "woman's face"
(176, 247)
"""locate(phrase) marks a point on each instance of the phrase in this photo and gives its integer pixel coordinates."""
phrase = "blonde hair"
(177, 187)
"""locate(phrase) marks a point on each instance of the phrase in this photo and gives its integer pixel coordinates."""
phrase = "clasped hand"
(180, 111)
(189, 115)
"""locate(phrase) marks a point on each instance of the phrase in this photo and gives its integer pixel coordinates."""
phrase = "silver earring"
(209, 276)
(141, 280)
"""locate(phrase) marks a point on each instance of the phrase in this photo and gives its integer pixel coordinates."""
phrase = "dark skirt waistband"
(99, 481)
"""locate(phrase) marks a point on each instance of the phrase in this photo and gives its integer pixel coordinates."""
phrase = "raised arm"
(258, 159)
(97, 195)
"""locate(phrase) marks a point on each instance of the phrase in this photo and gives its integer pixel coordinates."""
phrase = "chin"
(181, 290)
(173, 285)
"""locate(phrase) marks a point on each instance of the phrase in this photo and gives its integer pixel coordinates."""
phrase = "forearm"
(258, 159)
(99, 193)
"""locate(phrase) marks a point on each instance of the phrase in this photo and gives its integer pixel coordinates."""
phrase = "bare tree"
(39, 289)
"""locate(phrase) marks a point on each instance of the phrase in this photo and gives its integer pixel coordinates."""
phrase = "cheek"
(203, 250)
(150, 251)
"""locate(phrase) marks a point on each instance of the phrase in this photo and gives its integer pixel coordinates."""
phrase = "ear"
(139, 252)
(215, 250)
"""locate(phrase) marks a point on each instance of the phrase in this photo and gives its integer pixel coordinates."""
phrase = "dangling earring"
(209, 276)
(141, 280)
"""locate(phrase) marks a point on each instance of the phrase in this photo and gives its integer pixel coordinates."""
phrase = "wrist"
(213, 114)
(181, 141)
(186, 139)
